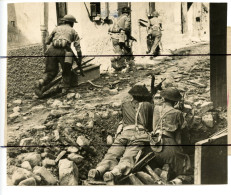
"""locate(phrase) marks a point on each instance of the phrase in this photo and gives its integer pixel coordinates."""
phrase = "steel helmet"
(126, 10)
(69, 18)
(139, 90)
(155, 14)
(171, 93)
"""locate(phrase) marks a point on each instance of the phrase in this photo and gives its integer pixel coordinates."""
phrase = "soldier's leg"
(155, 44)
(117, 61)
(110, 160)
(66, 74)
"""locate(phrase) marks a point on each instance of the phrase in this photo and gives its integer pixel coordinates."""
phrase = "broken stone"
(79, 124)
(38, 108)
(89, 107)
(77, 96)
(70, 96)
(19, 175)
(206, 106)
(72, 149)
(45, 175)
(116, 104)
(14, 115)
(56, 103)
(82, 141)
(198, 103)
(48, 155)
(156, 71)
(90, 124)
(48, 162)
(109, 140)
(33, 158)
(105, 114)
(113, 91)
(75, 157)
(56, 134)
(45, 139)
(68, 173)
(28, 182)
(26, 165)
(114, 113)
(58, 113)
(16, 109)
(26, 141)
(208, 120)
(61, 154)
(17, 102)
(187, 108)
(39, 127)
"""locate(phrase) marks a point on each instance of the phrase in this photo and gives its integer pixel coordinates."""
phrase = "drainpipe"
(44, 24)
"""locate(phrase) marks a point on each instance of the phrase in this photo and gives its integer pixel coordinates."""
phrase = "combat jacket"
(144, 117)
(124, 22)
(168, 121)
(154, 23)
(67, 33)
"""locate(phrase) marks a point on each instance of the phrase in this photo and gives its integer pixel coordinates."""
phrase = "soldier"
(59, 51)
(130, 139)
(120, 33)
(168, 124)
(154, 33)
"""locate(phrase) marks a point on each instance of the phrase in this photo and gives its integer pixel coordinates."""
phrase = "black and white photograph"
(116, 93)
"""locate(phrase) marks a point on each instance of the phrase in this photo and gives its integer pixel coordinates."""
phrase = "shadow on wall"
(15, 37)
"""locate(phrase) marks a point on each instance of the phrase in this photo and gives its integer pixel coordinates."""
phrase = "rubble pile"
(24, 66)
(56, 141)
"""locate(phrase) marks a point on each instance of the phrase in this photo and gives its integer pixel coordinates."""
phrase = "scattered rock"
(114, 113)
(77, 96)
(38, 108)
(45, 175)
(113, 91)
(19, 175)
(26, 165)
(72, 149)
(28, 182)
(79, 124)
(48, 162)
(187, 108)
(14, 115)
(105, 115)
(75, 157)
(56, 134)
(16, 109)
(61, 154)
(70, 96)
(33, 158)
(116, 104)
(68, 173)
(17, 102)
(208, 120)
(56, 103)
(39, 128)
(26, 142)
(206, 106)
(57, 113)
(82, 141)
(90, 124)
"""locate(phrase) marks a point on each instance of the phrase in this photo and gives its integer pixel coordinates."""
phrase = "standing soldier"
(60, 51)
(120, 33)
(154, 32)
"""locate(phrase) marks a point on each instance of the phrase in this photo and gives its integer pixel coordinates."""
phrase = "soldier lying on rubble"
(137, 122)
(168, 124)
(136, 133)
(60, 52)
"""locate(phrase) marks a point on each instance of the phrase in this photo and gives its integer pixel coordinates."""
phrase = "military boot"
(38, 88)
(108, 177)
(93, 174)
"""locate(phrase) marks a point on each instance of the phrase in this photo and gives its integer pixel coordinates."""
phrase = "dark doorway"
(61, 10)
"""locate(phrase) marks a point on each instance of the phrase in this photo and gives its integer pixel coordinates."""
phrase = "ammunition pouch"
(60, 43)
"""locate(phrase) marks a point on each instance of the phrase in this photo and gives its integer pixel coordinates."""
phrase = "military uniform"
(137, 122)
(59, 51)
(120, 33)
(168, 124)
(155, 32)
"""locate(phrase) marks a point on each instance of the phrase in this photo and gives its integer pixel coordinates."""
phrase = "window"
(151, 7)
(61, 10)
(95, 9)
(120, 6)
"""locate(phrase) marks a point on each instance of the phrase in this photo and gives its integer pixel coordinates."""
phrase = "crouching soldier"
(137, 122)
(60, 51)
(168, 124)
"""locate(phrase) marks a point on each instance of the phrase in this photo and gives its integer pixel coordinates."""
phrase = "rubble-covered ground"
(57, 140)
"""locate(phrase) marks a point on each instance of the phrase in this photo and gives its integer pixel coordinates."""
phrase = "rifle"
(79, 64)
(158, 87)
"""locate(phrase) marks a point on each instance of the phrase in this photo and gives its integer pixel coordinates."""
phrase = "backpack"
(115, 28)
